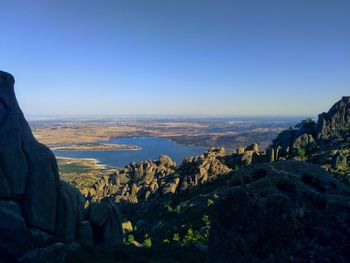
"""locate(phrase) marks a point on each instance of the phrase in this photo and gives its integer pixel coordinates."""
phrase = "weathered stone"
(240, 150)
(166, 160)
(15, 239)
(270, 154)
(304, 141)
(254, 147)
(26, 165)
(222, 151)
(171, 186)
(41, 238)
(336, 121)
(106, 224)
(85, 234)
(69, 211)
(40, 206)
(340, 162)
(248, 157)
(55, 253)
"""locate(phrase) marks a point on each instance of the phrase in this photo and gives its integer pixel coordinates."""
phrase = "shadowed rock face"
(286, 211)
(336, 121)
(332, 128)
(28, 168)
(326, 143)
(34, 203)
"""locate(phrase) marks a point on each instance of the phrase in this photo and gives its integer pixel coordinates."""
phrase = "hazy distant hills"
(230, 132)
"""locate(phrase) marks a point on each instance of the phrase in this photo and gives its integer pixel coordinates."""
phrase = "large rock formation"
(24, 162)
(148, 183)
(336, 122)
(288, 143)
(286, 211)
(134, 183)
(105, 219)
(326, 143)
(199, 170)
(36, 208)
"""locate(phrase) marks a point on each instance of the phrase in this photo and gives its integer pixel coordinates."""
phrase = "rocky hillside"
(166, 190)
(252, 205)
(326, 143)
(282, 212)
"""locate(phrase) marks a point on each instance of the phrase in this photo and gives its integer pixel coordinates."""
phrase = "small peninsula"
(95, 147)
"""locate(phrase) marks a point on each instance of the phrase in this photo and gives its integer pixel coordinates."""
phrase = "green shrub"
(206, 220)
(166, 241)
(130, 239)
(210, 202)
(301, 153)
(147, 243)
(177, 209)
(176, 237)
(168, 208)
(193, 237)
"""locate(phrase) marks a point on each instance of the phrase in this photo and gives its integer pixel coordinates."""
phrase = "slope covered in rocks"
(164, 190)
(326, 143)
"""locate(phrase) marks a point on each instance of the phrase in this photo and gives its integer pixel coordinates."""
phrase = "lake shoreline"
(96, 147)
(150, 149)
(93, 162)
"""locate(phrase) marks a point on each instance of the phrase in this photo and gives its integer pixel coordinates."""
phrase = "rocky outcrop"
(244, 157)
(286, 211)
(336, 122)
(199, 170)
(326, 143)
(105, 219)
(15, 238)
(69, 212)
(136, 182)
(288, 143)
(153, 181)
(26, 165)
(35, 206)
(56, 253)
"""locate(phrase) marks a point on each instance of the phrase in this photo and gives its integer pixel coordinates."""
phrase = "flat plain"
(230, 132)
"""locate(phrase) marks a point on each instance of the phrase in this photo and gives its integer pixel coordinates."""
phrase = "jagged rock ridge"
(336, 122)
(326, 143)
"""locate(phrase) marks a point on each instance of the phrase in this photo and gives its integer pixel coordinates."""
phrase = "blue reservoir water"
(152, 148)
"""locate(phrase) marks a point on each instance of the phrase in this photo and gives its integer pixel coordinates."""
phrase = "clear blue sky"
(176, 56)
